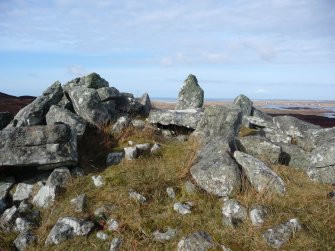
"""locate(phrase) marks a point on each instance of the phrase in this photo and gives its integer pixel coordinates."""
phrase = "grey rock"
(143, 148)
(276, 135)
(46, 147)
(215, 170)
(191, 94)
(121, 124)
(60, 177)
(137, 197)
(246, 107)
(23, 225)
(5, 185)
(220, 121)
(155, 148)
(34, 113)
(130, 153)
(115, 244)
(23, 192)
(257, 214)
(263, 116)
(316, 138)
(186, 118)
(65, 103)
(98, 180)
(259, 122)
(233, 213)
(45, 196)
(278, 235)
(294, 156)
(190, 188)
(324, 175)
(60, 115)
(198, 241)
(79, 203)
(113, 225)
(323, 155)
(182, 138)
(24, 240)
(170, 192)
(137, 123)
(168, 235)
(261, 148)
(8, 218)
(114, 158)
(77, 172)
(67, 228)
(108, 93)
(146, 104)
(104, 211)
(261, 177)
(110, 106)
(182, 208)
(87, 104)
(5, 119)
(92, 80)
(102, 236)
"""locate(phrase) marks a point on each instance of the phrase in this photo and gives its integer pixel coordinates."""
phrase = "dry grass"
(151, 175)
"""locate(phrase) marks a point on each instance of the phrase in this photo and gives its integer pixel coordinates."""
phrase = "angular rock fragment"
(170, 192)
(79, 203)
(8, 218)
(121, 124)
(108, 93)
(23, 192)
(130, 153)
(257, 215)
(246, 107)
(146, 104)
(93, 81)
(98, 180)
(60, 177)
(114, 158)
(45, 196)
(259, 122)
(23, 225)
(168, 235)
(155, 148)
(5, 186)
(233, 213)
(182, 208)
(324, 175)
(24, 240)
(197, 241)
(137, 123)
(294, 156)
(113, 225)
(115, 244)
(102, 236)
(137, 197)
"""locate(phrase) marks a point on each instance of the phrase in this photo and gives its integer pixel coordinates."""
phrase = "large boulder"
(45, 147)
(108, 93)
(34, 113)
(324, 175)
(92, 80)
(294, 156)
(215, 170)
(191, 94)
(246, 107)
(146, 104)
(5, 119)
(261, 148)
(87, 104)
(57, 114)
(316, 138)
(185, 118)
(261, 177)
(323, 155)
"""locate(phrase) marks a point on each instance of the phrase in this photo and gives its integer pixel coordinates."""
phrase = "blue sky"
(275, 49)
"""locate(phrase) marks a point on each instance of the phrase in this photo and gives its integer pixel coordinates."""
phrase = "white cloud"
(76, 70)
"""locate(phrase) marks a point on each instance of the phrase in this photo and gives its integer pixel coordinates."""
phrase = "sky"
(265, 49)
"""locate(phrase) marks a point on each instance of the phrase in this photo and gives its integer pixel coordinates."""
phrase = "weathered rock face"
(92, 80)
(233, 213)
(261, 177)
(24, 240)
(278, 235)
(186, 118)
(323, 155)
(59, 115)
(294, 156)
(257, 214)
(121, 124)
(216, 171)
(263, 116)
(60, 177)
(261, 148)
(323, 175)
(87, 104)
(200, 240)
(5, 119)
(7, 219)
(246, 107)
(34, 113)
(45, 197)
(260, 122)
(168, 235)
(316, 138)
(23, 191)
(191, 94)
(220, 121)
(108, 93)
(46, 147)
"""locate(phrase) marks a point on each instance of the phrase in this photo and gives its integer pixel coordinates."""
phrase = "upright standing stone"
(191, 94)
(246, 106)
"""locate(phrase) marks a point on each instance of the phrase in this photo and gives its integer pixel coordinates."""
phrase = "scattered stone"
(121, 124)
(67, 228)
(182, 208)
(190, 188)
(57, 114)
(137, 197)
(197, 241)
(233, 213)
(155, 148)
(257, 215)
(23, 192)
(130, 153)
(5, 185)
(104, 211)
(137, 123)
(65, 103)
(45, 196)
(102, 236)
(191, 94)
(34, 113)
(23, 225)
(278, 235)
(98, 180)
(324, 175)
(79, 203)
(113, 225)
(5, 119)
(114, 158)
(261, 177)
(60, 177)
(246, 107)
(165, 236)
(184, 118)
(143, 148)
(170, 192)
(24, 240)
(92, 81)
(115, 244)
(108, 93)
(8, 218)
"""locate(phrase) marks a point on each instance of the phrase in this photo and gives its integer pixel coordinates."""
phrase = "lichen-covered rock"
(8, 218)
(79, 203)
(67, 228)
(45, 196)
(130, 153)
(168, 235)
(170, 192)
(87, 104)
(93, 81)
(108, 93)
(263, 116)
(316, 138)
(65, 103)
(215, 170)
(137, 197)
(278, 235)
(185, 118)
(182, 208)
(57, 114)
(121, 124)
(323, 155)
(246, 107)
(24, 240)
(259, 122)
(198, 241)
(98, 180)
(146, 104)
(191, 94)
(114, 158)
(5, 119)
(23, 191)
(60, 177)
(113, 225)
(276, 135)
(257, 214)
(46, 147)
(5, 185)
(294, 156)
(261, 177)
(23, 225)
(261, 148)
(102, 236)
(324, 175)
(115, 244)
(233, 213)
(138, 124)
